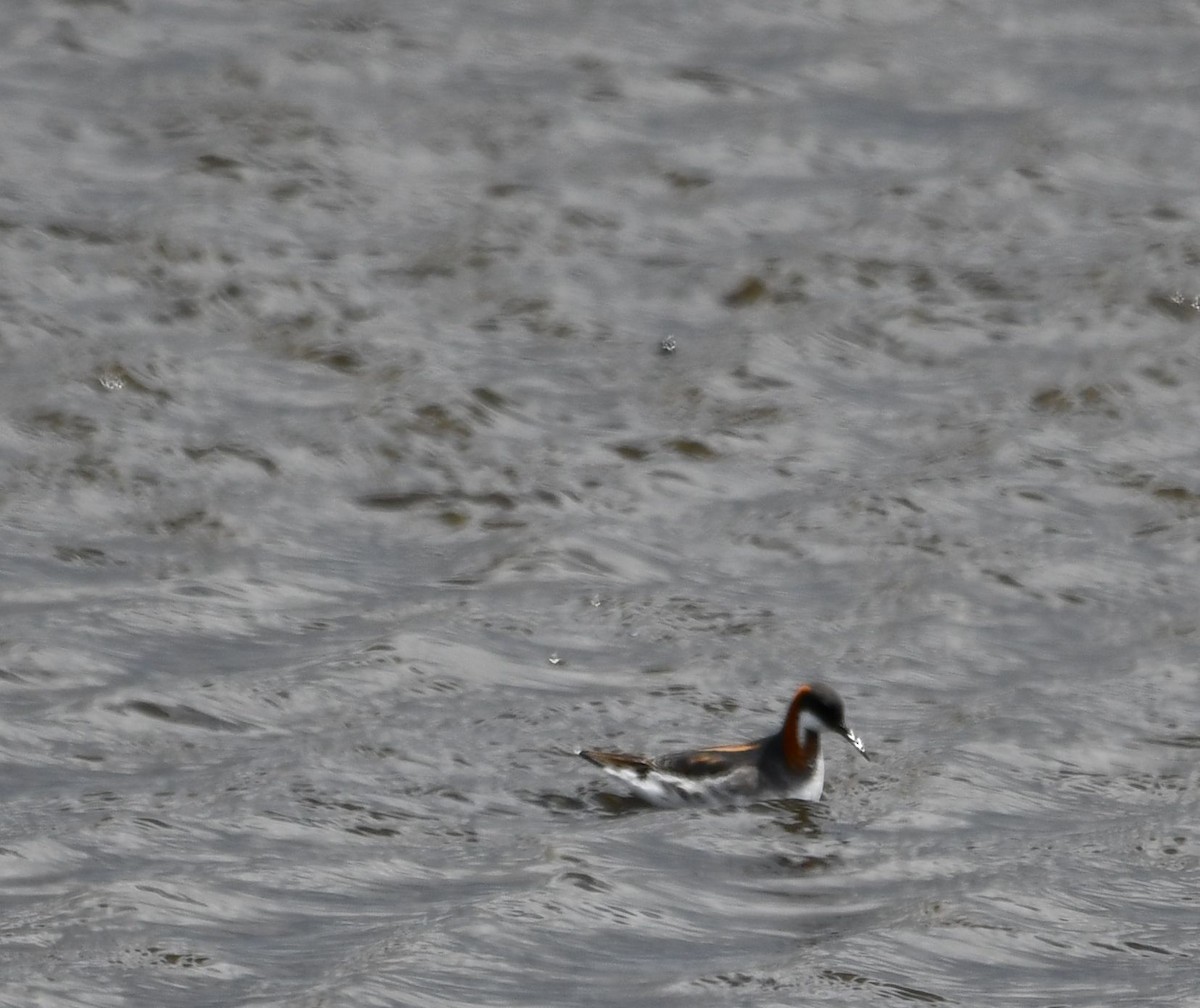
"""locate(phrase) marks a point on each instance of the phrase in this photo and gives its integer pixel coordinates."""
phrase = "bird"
(787, 764)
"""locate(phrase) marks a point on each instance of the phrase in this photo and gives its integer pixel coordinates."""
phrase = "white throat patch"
(810, 722)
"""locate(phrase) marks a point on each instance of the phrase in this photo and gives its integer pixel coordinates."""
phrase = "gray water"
(345, 490)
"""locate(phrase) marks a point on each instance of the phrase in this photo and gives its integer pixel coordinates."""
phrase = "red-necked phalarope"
(787, 764)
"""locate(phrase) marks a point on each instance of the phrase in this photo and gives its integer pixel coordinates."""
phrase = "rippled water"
(346, 489)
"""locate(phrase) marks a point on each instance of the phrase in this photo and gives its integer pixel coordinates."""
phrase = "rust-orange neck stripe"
(799, 753)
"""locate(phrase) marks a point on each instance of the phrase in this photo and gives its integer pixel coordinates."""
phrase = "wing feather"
(711, 762)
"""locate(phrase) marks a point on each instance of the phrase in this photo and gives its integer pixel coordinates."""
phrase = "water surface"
(346, 489)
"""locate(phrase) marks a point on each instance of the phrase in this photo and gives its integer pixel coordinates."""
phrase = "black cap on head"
(824, 703)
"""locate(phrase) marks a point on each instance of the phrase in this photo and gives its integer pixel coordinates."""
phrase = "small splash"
(1177, 305)
(554, 659)
(115, 377)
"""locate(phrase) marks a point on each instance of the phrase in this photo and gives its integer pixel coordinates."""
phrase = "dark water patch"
(749, 291)
(1183, 741)
(190, 520)
(453, 510)
(685, 180)
(219, 165)
(82, 554)
(181, 714)
(156, 956)
(89, 235)
(1088, 399)
(344, 359)
(388, 501)
(632, 452)
(217, 453)
(433, 418)
(75, 427)
(890, 991)
(692, 449)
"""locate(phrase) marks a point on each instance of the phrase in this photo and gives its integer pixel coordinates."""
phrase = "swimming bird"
(787, 764)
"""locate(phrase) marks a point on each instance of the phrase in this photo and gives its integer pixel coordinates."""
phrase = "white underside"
(672, 791)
